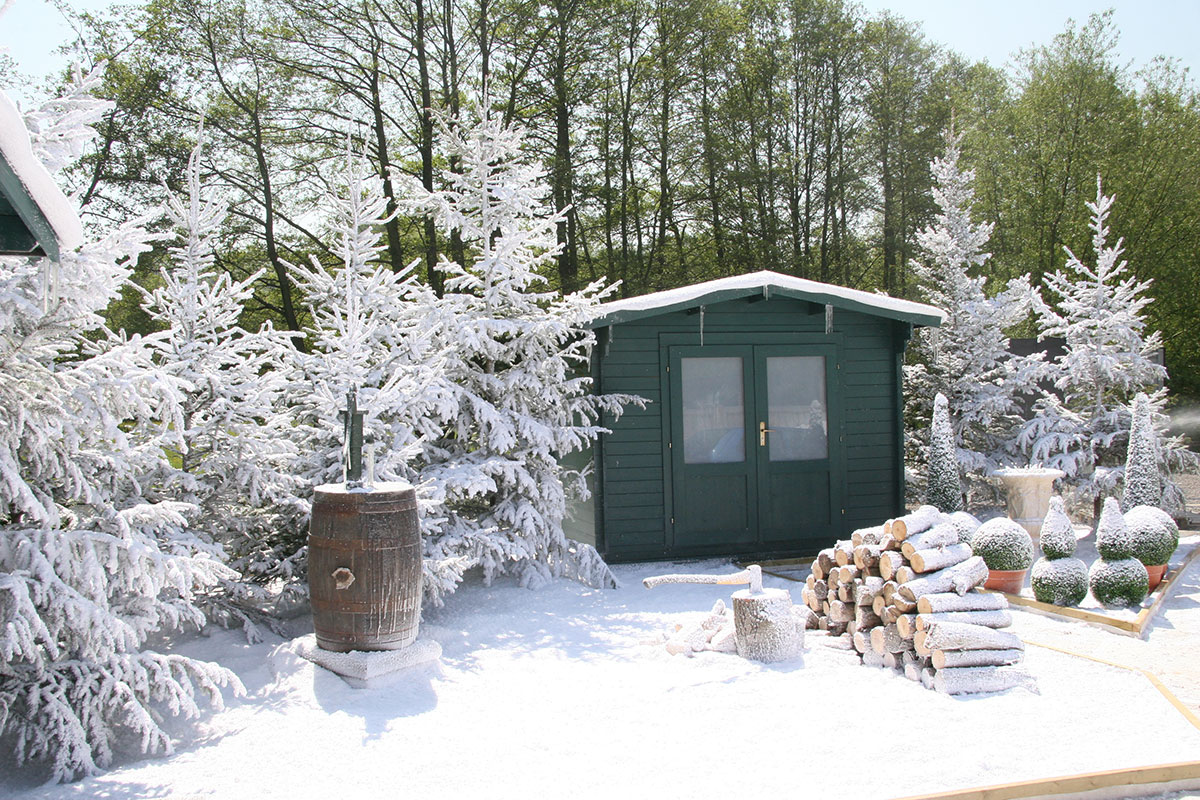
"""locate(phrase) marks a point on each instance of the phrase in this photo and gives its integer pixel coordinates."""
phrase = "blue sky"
(981, 29)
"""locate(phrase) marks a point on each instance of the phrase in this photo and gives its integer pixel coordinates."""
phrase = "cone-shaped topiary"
(1123, 582)
(1143, 481)
(1112, 534)
(1057, 535)
(1003, 545)
(1058, 578)
(1153, 533)
(1060, 581)
(966, 525)
(944, 488)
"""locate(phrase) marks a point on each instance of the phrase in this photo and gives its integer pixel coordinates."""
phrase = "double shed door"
(755, 447)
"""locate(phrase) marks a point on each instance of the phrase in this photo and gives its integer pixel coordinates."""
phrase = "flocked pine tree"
(235, 454)
(518, 353)
(943, 489)
(375, 331)
(88, 568)
(967, 357)
(1108, 358)
(1143, 478)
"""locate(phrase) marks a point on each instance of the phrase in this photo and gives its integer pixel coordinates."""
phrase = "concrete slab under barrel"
(369, 669)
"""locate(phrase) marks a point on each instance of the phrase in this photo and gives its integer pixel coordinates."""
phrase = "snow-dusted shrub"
(88, 568)
(1057, 536)
(1113, 540)
(1123, 582)
(1153, 533)
(1003, 544)
(1143, 481)
(944, 489)
(966, 524)
(1060, 581)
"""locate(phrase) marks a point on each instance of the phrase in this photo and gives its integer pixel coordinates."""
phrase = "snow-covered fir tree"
(967, 358)
(943, 489)
(376, 331)
(517, 355)
(1143, 478)
(1098, 310)
(88, 568)
(235, 454)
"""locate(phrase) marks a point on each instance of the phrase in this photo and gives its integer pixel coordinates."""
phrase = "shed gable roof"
(35, 216)
(767, 284)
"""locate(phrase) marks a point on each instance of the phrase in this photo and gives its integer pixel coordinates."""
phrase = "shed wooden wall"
(632, 466)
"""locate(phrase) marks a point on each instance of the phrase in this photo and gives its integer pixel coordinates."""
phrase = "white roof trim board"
(766, 283)
(53, 215)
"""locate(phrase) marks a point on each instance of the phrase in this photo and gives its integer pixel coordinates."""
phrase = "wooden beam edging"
(1153, 780)
(1135, 627)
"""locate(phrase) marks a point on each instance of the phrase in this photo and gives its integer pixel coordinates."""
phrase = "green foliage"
(1059, 581)
(1153, 534)
(1003, 544)
(1122, 582)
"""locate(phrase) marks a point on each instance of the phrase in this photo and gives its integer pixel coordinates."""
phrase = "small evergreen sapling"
(944, 490)
(1003, 545)
(1058, 577)
(1117, 579)
(1143, 480)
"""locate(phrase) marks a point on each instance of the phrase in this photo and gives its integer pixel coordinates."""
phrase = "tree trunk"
(998, 618)
(972, 601)
(962, 636)
(935, 558)
(960, 578)
(943, 659)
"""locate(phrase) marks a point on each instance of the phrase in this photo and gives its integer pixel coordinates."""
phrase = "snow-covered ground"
(568, 689)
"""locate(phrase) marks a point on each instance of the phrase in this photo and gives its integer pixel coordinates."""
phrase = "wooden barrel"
(364, 567)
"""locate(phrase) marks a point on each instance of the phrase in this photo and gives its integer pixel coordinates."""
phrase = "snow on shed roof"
(767, 284)
(31, 203)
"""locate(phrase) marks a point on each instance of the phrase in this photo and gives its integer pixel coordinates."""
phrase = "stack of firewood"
(906, 594)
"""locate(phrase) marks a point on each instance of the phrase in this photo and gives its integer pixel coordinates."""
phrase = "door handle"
(763, 430)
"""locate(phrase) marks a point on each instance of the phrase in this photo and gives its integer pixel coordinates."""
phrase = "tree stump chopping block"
(764, 626)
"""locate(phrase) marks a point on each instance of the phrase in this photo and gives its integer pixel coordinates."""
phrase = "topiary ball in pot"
(1153, 533)
(1003, 545)
(1123, 582)
(966, 525)
(1057, 536)
(1060, 581)
(1112, 534)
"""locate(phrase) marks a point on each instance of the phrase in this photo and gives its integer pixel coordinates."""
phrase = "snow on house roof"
(766, 284)
(30, 201)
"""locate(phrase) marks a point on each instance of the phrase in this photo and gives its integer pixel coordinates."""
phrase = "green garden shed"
(774, 425)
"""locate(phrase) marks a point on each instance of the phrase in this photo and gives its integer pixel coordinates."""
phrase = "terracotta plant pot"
(1156, 573)
(1008, 581)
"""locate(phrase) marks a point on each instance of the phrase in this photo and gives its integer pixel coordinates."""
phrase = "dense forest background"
(692, 139)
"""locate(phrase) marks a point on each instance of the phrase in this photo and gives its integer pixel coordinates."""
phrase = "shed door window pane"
(714, 416)
(796, 413)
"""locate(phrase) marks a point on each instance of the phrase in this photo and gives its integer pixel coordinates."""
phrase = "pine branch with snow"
(517, 354)
(967, 359)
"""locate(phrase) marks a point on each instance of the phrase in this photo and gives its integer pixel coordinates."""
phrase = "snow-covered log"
(865, 618)
(866, 556)
(971, 601)
(765, 628)
(887, 639)
(978, 680)
(936, 558)
(960, 578)
(823, 563)
(843, 553)
(964, 636)
(945, 659)
(889, 562)
(907, 625)
(841, 612)
(941, 535)
(870, 535)
(997, 618)
(920, 520)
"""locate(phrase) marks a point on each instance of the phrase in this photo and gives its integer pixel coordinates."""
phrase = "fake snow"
(569, 690)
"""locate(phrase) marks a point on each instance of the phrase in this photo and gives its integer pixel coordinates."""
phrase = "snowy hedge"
(1154, 535)
(1123, 582)
(1060, 581)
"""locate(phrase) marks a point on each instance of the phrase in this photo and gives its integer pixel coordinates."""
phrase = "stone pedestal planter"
(1027, 491)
